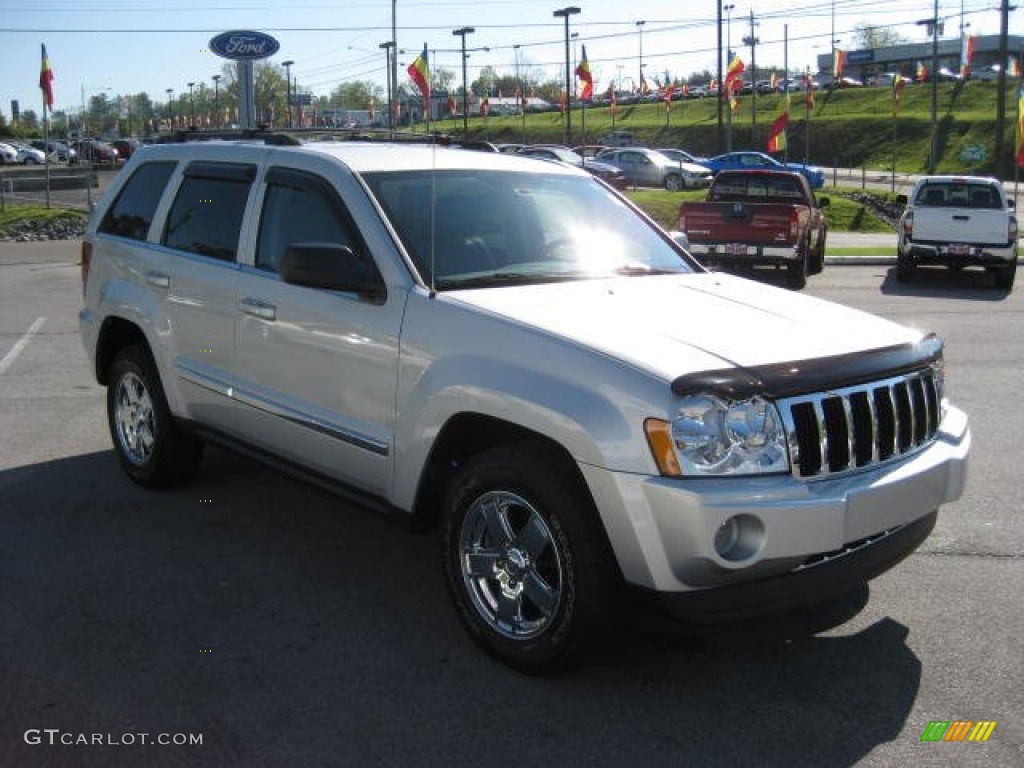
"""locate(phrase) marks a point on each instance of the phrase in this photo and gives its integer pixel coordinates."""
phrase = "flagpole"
(46, 150)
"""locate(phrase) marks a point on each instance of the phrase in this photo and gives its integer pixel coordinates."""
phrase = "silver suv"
(508, 351)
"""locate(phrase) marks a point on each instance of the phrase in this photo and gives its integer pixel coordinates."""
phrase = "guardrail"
(33, 185)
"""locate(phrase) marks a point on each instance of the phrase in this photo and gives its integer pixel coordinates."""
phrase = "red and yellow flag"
(585, 76)
(839, 62)
(419, 71)
(1019, 154)
(898, 84)
(46, 80)
(965, 57)
(734, 74)
(922, 72)
(777, 133)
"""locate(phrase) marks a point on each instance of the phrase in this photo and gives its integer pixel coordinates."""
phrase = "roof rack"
(290, 137)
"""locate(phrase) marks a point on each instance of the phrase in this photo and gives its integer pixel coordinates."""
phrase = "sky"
(130, 46)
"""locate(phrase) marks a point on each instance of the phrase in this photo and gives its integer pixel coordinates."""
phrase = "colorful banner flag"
(1013, 68)
(777, 133)
(808, 91)
(1019, 154)
(668, 95)
(46, 80)
(485, 106)
(644, 88)
(839, 61)
(898, 84)
(419, 71)
(584, 74)
(921, 74)
(452, 106)
(734, 75)
(774, 82)
(965, 57)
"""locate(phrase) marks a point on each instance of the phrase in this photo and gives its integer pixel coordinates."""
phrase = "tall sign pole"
(244, 47)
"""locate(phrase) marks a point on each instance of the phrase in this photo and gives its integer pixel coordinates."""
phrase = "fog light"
(739, 538)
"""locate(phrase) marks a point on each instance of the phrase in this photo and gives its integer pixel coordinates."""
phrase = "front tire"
(673, 182)
(525, 561)
(150, 445)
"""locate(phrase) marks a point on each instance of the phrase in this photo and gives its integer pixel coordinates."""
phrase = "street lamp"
(640, 32)
(288, 87)
(387, 46)
(462, 32)
(170, 108)
(191, 107)
(565, 13)
(216, 99)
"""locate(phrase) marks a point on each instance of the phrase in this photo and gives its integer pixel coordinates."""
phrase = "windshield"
(495, 227)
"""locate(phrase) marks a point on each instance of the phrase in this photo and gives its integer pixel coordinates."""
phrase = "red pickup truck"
(759, 217)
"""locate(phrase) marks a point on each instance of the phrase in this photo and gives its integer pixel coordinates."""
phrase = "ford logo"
(244, 46)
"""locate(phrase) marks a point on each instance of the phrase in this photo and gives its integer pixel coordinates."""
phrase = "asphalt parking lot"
(287, 629)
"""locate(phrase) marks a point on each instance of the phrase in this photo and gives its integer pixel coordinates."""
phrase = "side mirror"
(332, 267)
(824, 202)
(1011, 203)
(901, 199)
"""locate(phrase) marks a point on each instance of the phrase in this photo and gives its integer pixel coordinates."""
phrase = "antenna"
(433, 218)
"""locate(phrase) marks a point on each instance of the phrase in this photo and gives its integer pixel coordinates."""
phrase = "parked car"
(8, 154)
(650, 168)
(126, 147)
(28, 155)
(748, 160)
(96, 152)
(619, 139)
(958, 221)
(59, 151)
(508, 352)
(759, 217)
(603, 171)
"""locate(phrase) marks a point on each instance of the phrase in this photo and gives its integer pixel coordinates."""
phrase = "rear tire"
(526, 563)
(150, 445)
(673, 182)
(1005, 276)
(796, 271)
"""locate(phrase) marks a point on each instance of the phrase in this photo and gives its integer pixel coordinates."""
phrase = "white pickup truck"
(959, 221)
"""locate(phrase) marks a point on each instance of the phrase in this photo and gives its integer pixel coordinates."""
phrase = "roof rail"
(297, 136)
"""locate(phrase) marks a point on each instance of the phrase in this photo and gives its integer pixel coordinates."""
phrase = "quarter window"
(206, 217)
(132, 213)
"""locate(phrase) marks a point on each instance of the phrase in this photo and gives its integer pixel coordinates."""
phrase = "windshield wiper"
(509, 278)
(632, 270)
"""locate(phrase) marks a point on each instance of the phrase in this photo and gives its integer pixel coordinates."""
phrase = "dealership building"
(903, 59)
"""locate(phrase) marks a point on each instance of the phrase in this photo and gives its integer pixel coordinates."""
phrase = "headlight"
(709, 437)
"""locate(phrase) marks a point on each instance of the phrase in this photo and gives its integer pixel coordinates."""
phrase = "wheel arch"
(468, 434)
(115, 334)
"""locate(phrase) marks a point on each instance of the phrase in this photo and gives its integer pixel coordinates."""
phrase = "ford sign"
(244, 46)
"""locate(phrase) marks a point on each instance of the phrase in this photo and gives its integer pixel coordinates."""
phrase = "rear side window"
(206, 217)
(132, 212)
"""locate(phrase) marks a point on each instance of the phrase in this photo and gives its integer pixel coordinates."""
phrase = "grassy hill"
(847, 128)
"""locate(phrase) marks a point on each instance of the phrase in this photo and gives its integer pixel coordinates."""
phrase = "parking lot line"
(11, 356)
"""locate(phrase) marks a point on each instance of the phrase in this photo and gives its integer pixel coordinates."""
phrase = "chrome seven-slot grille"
(853, 428)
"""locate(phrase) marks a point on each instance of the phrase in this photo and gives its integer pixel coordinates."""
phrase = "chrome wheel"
(134, 418)
(511, 565)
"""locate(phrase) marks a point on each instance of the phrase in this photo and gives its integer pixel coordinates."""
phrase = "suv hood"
(677, 324)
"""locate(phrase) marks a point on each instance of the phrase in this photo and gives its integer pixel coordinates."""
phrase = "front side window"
(299, 208)
(132, 212)
(478, 228)
(206, 217)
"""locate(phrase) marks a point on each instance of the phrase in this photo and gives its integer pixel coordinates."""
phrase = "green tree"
(867, 36)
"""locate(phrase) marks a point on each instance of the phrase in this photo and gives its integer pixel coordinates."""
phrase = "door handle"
(158, 279)
(257, 308)
(961, 217)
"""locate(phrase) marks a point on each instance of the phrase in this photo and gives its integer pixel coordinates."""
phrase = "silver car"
(650, 168)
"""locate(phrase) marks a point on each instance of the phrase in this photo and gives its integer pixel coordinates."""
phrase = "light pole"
(565, 13)
(170, 109)
(288, 87)
(387, 46)
(191, 107)
(575, 61)
(519, 89)
(722, 90)
(462, 32)
(640, 34)
(216, 100)
(752, 40)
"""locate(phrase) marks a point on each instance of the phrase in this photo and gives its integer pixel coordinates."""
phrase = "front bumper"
(807, 540)
(958, 254)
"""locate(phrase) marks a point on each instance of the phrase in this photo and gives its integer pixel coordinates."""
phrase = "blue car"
(753, 161)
